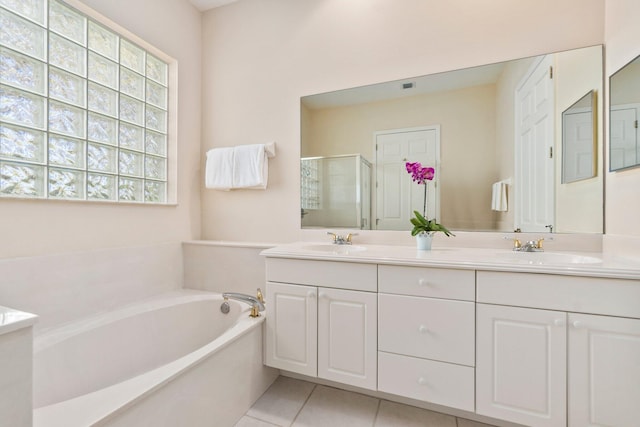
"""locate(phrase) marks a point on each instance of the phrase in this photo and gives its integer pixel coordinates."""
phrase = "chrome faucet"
(341, 240)
(257, 302)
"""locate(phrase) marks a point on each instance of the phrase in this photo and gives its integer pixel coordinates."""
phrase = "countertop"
(592, 264)
(12, 320)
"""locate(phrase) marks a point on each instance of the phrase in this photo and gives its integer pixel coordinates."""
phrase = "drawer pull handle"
(422, 282)
(558, 322)
(423, 329)
(422, 381)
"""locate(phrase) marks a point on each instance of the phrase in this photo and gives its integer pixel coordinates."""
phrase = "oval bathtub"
(172, 360)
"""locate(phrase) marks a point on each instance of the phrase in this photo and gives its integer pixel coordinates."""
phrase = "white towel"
(499, 197)
(219, 168)
(244, 166)
(250, 168)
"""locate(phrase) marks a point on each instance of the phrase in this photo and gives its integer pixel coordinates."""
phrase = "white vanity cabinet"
(604, 370)
(347, 322)
(530, 359)
(521, 365)
(426, 334)
(292, 328)
(533, 348)
(322, 320)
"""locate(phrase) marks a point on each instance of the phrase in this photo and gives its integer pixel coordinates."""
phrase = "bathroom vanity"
(540, 339)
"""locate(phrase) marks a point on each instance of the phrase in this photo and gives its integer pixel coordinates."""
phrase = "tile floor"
(296, 403)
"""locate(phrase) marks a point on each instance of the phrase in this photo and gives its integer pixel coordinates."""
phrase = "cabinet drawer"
(328, 274)
(431, 328)
(426, 380)
(593, 295)
(427, 282)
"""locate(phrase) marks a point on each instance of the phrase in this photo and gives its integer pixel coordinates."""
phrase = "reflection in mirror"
(624, 99)
(335, 191)
(578, 150)
(477, 127)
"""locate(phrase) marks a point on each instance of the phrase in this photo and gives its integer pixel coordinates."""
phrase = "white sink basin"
(334, 249)
(548, 258)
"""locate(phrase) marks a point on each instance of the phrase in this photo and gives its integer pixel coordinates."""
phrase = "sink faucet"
(530, 246)
(341, 240)
(257, 302)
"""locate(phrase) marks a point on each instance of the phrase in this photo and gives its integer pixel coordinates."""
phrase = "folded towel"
(499, 196)
(250, 168)
(219, 168)
(244, 166)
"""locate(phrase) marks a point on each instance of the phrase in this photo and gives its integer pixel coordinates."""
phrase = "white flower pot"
(423, 241)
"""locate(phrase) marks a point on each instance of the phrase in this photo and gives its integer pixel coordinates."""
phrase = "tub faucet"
(257, 303)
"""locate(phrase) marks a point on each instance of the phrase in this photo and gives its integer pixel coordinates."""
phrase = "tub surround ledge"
(16, 354)
(12, 320)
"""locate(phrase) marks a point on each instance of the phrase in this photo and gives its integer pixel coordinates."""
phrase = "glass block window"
(83, 110)
(310, 194)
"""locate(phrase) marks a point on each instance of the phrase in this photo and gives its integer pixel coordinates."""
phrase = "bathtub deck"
(296, 403)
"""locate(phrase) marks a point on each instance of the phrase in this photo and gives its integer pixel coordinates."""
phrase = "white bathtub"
(172, 360)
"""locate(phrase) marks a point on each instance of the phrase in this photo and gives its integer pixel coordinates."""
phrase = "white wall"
(62, 288)
(35, 227)
(622, 192)
(579, 204)
(261, 56)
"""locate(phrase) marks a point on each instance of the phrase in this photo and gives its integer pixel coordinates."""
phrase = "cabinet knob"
(422, 381)
(322, 295)
(311, 294)
(577, 324)
(423, 329)
(558, 322)
(422, 282)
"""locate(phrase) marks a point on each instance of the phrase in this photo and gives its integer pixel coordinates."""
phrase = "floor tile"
(281, 403)
(331, 407)
(252, 422)
(462, 422)
(393, 414)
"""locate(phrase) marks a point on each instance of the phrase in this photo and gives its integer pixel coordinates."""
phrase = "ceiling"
(203, 5)
(438, 82)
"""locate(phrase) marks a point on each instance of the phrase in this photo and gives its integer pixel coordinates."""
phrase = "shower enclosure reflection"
(335, 192)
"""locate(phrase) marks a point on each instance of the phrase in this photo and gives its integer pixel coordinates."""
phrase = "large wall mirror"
(624, 98)
(492, 133)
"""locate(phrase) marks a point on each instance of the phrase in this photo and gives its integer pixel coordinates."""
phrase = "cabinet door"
(521, 365)
(604, 371)
(291, 328)
(347, 337)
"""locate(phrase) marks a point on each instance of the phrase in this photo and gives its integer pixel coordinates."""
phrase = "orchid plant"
(420, 175)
